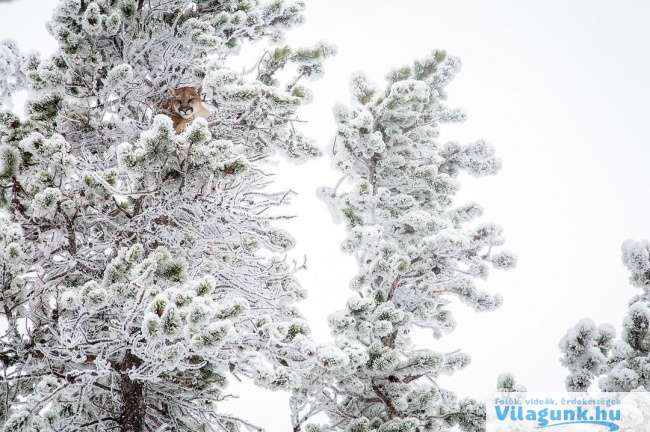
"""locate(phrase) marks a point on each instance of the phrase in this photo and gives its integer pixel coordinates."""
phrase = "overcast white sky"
(561, 88)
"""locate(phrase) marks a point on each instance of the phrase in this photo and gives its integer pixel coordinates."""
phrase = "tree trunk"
(133, 408)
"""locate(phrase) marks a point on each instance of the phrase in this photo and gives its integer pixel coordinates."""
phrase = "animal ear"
(199, 90)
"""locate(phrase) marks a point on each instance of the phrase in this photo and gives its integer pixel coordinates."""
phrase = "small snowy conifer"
(417, 250)
(593, 351)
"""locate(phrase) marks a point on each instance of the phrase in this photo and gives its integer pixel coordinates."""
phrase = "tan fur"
(184, 106)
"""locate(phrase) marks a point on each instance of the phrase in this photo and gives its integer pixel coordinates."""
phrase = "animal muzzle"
(186, 111)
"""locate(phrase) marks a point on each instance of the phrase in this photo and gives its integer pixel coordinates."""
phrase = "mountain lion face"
(183, 106)
(186, 102)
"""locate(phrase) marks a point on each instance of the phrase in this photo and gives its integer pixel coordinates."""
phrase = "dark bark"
(133, 407)
(391, 409)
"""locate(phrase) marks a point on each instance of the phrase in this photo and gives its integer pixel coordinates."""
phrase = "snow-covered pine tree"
(416, 250)
(11, 78)
(140, 267)
(593, 352)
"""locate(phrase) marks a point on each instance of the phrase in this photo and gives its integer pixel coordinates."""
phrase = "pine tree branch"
(390, 407)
